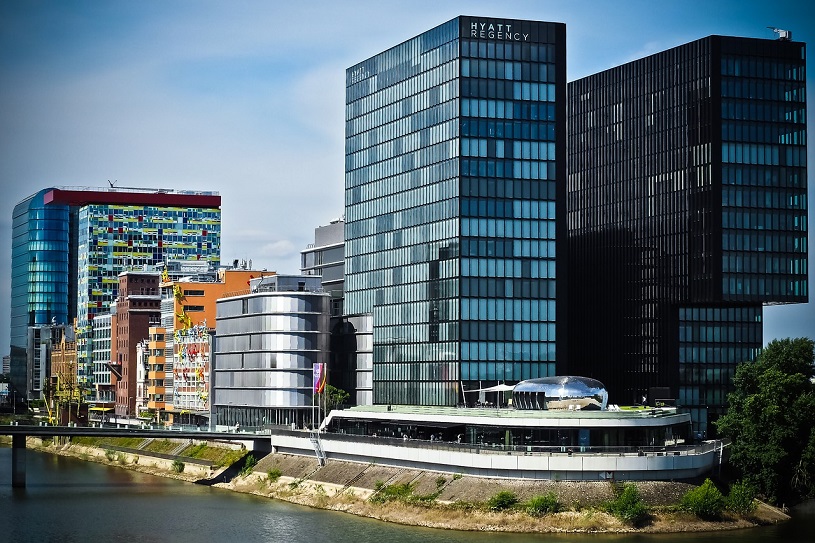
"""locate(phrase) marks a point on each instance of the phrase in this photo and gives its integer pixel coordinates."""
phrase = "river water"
(67, 500)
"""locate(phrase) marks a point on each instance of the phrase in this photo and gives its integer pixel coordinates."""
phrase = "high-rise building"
(70, 244)
(687, 212)
(454, 207)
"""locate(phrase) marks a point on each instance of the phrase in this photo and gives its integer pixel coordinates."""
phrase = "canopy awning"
(101, 409)
(497, 388)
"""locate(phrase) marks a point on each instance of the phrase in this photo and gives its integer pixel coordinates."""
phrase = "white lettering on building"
(496, 31)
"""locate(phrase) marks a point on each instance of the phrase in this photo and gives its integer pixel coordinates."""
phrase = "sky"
(246, 98)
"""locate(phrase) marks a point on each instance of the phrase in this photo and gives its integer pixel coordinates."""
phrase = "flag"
(319, 375)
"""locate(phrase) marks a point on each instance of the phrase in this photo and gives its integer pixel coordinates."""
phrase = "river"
(67, 500)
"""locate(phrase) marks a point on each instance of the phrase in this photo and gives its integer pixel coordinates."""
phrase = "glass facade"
(687, 212)
(764, 196)
(712, 341)
(39, 278)
(69, 247)
(453, 142)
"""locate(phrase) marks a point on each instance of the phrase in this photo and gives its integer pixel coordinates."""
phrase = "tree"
(771, 420)
(334, 397)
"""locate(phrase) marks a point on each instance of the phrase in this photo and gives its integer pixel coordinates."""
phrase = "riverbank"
(442, 500)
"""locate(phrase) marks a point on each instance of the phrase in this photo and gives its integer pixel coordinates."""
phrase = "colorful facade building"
(70, 244)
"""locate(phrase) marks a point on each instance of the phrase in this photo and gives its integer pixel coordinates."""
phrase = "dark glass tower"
(454, 199)
(687, 212)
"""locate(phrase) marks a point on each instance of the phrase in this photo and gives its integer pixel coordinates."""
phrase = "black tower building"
(686, 213)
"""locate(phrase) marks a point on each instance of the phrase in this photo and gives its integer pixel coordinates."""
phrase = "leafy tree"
(771, 420)
(334, 397)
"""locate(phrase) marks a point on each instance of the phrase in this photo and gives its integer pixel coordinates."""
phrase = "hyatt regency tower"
(454, 205)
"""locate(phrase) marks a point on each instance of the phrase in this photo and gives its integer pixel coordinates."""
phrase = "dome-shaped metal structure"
(560, 392)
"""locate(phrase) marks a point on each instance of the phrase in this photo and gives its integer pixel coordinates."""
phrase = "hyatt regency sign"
(496, 31)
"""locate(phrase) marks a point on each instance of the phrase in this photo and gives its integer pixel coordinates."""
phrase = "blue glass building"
(687, 212)
(454, 207)
(40, 267)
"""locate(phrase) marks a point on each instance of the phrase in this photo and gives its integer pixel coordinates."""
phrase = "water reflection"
(68, 500)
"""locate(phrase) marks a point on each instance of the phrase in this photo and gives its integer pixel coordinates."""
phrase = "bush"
(110, 455)
(248, 465)
(178, 466)
(503, 500)
(273, 475)
(396, 492)
(440, 481)
(705, 501)
(540, 505)
(628, 506)
(741, 499)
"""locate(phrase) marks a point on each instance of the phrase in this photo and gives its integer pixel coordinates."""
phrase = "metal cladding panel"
(82, 197)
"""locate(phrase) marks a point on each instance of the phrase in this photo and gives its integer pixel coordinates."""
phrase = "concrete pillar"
(18, 461)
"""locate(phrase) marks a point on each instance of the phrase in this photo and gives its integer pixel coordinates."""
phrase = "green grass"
(219, 456)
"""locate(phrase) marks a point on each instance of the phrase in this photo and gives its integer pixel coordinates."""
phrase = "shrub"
(540, 505)
(273, 475)
(110, 455)
(628, 506)
(248, 465)
(741, 499)
(457, 476)
(397, 492)
(705, 501)
(178, 466)
(503, 500)
(440, 481)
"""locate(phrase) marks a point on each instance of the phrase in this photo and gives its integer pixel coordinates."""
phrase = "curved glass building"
(40, 249)
(560, 392)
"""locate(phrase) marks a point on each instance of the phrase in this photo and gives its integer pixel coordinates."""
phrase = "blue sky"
(246, 98)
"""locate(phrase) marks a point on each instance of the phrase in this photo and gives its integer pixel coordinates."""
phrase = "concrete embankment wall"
(362, 479)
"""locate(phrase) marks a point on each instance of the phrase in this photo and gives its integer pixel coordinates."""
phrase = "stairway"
(314, 437)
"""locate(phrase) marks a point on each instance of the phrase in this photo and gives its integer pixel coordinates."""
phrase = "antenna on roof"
(783, 35)
(111, 183)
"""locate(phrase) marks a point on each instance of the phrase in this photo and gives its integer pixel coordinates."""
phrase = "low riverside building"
(269, 340)
(573, 440)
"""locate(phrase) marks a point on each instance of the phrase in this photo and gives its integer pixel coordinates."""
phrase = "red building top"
(121, 197)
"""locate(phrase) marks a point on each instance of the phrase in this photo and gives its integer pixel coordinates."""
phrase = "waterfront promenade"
(256, 441)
